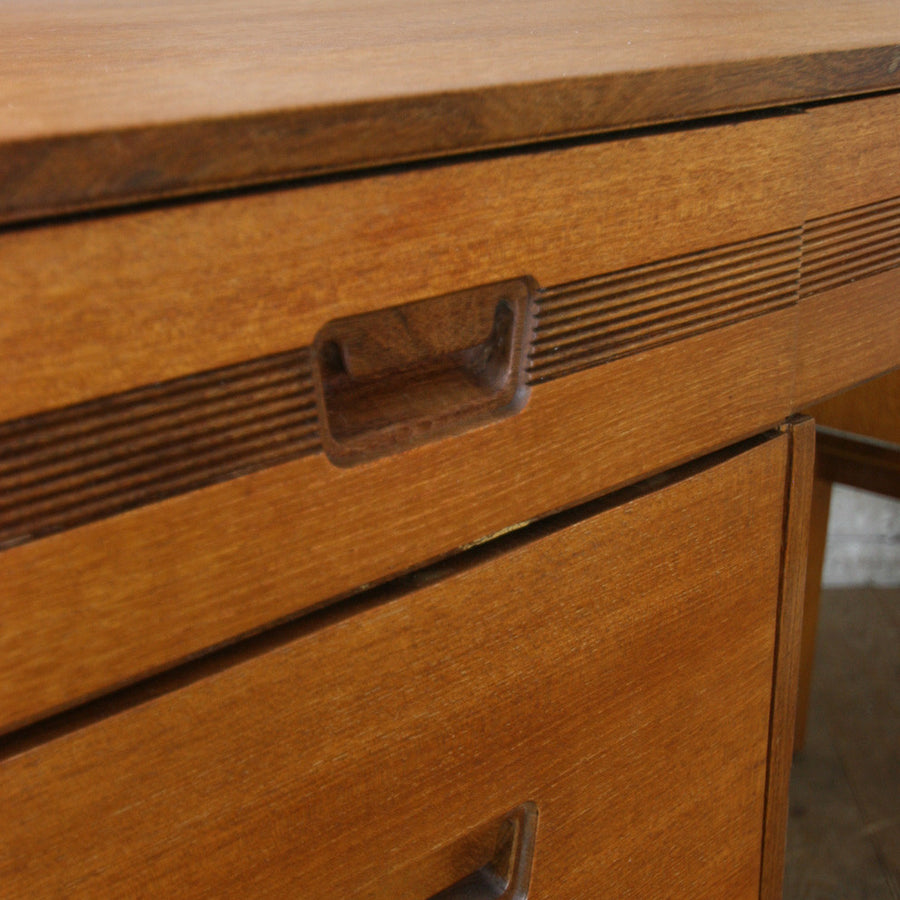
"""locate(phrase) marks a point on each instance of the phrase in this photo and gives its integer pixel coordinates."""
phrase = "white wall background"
(863, 540)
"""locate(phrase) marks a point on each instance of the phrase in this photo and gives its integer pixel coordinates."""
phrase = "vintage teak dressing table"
(401, 488)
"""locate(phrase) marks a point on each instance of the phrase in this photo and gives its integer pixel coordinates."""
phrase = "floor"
(844, 828)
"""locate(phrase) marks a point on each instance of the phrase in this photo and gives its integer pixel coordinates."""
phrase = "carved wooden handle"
(508, 875)
(398, 377)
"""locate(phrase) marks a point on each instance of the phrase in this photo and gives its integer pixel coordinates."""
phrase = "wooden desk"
(398, 462)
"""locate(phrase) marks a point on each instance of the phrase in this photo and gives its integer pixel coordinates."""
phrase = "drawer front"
(849, 309)
(180, 495)
(612, 665)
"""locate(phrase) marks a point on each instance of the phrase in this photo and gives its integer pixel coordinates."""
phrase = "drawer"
(164, 481)
(622, 685)
(848, 326)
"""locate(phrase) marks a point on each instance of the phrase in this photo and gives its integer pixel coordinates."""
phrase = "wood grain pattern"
(72, 466)
(343, 761)
(858, 461)
(845, 336)
(851, 331)
(854, 155)
(56, 475)
(163, 293)
(406, 375)
(871, 409)
(591, 322)
(353, 739)
(160, 294)
(818, 534)
(65, 468)
(849, 245)
(173, 98)
(89, 608)
(578, 325)
(787, 654)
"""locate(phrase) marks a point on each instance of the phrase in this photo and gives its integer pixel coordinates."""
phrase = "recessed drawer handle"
(401, 376)
(508, 875)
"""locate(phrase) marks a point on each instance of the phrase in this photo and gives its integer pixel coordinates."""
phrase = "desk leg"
(787, 656)
(818, 528)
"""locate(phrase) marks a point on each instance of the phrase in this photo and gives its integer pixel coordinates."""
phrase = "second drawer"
(612, 665)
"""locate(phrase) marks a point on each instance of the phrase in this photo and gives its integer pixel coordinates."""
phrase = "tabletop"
(109, 102)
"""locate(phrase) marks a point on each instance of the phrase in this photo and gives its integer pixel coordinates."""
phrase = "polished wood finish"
(386, 380)
(846, 335)
(849, 245)
(160, 293)
(404, 375)
(590, 322)
(848, 326)
(67, 467)
(173, 98)
(163, 293)
(861, 463)
(871, 409)
(818, 534)
(854, 155)
(202, 690)
(87, 609)
(787, 652)
(166, 293)
(350, 754)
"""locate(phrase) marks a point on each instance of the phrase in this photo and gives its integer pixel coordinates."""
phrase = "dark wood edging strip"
(591, 322)
(75, 465)
(849, 245)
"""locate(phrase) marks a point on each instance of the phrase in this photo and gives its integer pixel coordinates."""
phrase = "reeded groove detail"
(587, 323)
(850, 245)
(75, 465)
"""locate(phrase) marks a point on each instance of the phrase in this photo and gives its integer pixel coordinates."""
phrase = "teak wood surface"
(363, 753)
(789, 637)
(818, 533)
(103, 103)
(167, 292)
(707, 249)
(871, 409)
(852, 331)
(126, 300)
(163, 582)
